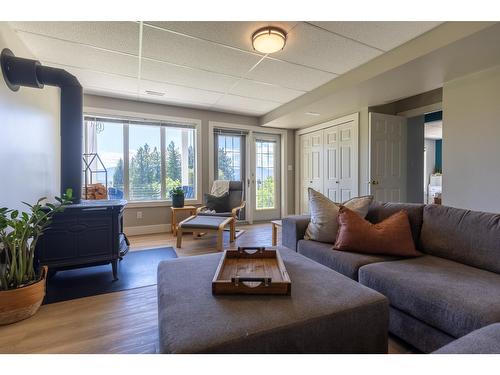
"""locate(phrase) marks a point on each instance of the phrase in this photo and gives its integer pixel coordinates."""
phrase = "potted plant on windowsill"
(177, 195)
(22, 286)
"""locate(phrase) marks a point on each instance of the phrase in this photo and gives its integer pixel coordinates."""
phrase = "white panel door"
(348, 161)
(332, 164)
(311, 166)
(305, 171)
(387, 157)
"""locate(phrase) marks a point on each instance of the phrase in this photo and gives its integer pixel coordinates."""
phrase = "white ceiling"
(210, 65)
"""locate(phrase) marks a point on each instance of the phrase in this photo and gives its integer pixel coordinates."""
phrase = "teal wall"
(439, 155)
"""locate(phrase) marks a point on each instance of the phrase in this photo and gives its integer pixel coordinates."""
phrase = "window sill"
(159, 203)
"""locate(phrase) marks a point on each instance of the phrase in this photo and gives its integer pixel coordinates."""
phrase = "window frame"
(163, 122)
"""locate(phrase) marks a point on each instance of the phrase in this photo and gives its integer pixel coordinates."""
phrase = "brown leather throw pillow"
(391, 236)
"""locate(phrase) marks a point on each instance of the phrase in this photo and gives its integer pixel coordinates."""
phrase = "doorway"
(265, 176)
(433, 169)
(405, 157)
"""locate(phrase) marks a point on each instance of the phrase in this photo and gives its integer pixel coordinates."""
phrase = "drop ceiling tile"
(179, 75)
(111, 93)
(383, 35)
(173, 101)
(289, 75)
(105, 81)
(235, 34)
(166, 46)
(264, 91)
(116, 36)
(317, 48)
(178, 93)
(65, 53)
(245, 105)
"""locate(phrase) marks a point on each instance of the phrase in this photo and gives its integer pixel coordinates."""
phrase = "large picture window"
(144, 159)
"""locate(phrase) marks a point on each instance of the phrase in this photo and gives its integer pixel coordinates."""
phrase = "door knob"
(337, 182)
(374, 182)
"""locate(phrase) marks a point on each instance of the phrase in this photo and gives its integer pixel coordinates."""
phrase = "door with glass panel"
(265, 177)
(230, 159)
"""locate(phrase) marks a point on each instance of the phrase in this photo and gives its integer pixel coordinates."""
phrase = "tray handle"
(256, 249)
(261, 280)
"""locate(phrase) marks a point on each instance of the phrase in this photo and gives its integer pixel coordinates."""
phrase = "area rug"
(137, 269)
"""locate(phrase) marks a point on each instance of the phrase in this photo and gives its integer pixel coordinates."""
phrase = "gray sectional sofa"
(451, 290)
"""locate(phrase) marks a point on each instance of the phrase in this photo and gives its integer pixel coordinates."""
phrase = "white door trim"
(338, 121)
(251, 129)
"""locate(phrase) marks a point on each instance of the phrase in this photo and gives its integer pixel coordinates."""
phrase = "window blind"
(136, 121)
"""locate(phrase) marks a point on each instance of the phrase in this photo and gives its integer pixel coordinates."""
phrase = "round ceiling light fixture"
(269, 39)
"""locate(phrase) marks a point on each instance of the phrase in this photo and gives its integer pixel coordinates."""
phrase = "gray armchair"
(236, 202)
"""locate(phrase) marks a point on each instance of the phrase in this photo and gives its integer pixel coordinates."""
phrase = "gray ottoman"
(485, 340)
(326, 313)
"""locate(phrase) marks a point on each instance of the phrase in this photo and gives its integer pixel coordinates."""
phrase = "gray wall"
(415, 160)
(430, 160)
(471, 141)
(161, 215)
(29, 141)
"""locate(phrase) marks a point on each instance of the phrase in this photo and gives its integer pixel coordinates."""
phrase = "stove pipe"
(30, 73)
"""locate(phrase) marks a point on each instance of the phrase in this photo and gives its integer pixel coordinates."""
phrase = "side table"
(275, 225)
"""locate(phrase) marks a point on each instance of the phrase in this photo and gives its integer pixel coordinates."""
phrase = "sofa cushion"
(468, 237)
(379, 211)
(447, 295)
(482, 341)
(343, 262)
(391, 236)
(323, 225)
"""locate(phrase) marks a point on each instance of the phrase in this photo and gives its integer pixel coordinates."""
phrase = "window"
(230, 157)
(180, 160)
(106, 139)
(265, 174)
(144, 159)
(144, 163)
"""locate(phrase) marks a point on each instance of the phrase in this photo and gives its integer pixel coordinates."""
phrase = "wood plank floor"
(122, 322)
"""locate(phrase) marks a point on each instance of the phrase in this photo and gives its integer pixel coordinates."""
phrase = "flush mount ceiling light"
(269, 39)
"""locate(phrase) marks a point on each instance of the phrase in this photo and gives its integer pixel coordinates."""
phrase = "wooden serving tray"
(251, 270)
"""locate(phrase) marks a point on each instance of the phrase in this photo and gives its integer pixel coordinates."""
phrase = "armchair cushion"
(219, 214)
(218, 204)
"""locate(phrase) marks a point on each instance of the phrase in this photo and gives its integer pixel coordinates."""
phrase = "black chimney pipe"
(26, 72)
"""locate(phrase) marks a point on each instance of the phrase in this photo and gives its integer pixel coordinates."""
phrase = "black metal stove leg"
(114, 265)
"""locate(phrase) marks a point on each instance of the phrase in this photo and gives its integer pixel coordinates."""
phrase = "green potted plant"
(177, 195)
(22, 287)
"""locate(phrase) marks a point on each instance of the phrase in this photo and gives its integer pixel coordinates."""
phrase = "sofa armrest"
(293, 229)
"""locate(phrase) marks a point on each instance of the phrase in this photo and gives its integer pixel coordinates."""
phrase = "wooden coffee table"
(207, 224)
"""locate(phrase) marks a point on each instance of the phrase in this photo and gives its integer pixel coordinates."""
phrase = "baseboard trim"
(147, 229)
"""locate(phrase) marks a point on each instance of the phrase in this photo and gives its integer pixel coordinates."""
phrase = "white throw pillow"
(324, 225)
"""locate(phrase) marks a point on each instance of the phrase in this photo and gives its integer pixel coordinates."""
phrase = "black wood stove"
(86, 234)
